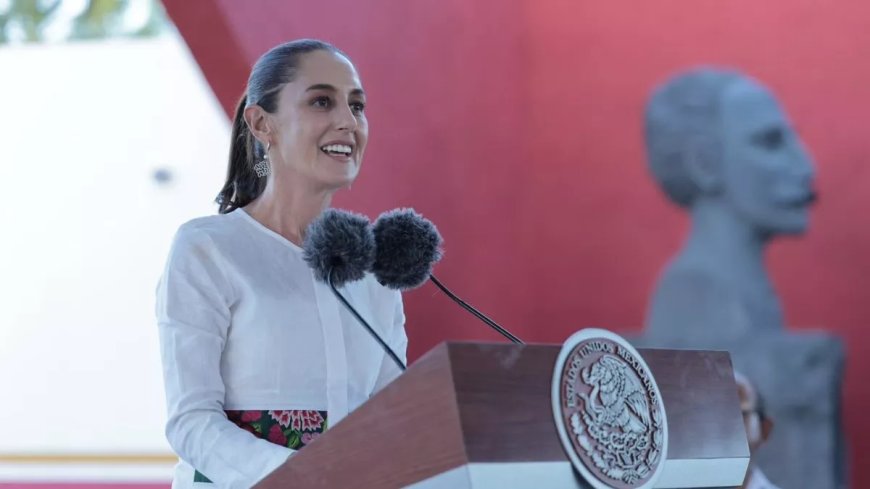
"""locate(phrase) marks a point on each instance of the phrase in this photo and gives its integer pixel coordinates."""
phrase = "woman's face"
(319, 131)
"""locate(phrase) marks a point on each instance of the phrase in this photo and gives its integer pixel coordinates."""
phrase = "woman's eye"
(357, 107)
(321, 102)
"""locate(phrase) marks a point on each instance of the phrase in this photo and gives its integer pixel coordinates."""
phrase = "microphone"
(340, 247)
(407, 247)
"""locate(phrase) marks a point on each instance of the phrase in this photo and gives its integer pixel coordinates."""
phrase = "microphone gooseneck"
(365, 324)
(479, 315)
(407, 246)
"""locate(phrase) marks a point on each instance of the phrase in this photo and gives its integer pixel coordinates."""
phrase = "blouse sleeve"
(193, 316)
(398, 341)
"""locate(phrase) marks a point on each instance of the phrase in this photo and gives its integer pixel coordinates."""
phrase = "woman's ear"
(259, 124)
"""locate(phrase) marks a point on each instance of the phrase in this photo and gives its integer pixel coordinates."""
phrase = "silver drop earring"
(262, 167)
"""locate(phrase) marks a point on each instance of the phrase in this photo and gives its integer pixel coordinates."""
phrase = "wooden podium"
(479, 415)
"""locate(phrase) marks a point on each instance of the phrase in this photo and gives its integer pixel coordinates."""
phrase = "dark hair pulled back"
(270, 73)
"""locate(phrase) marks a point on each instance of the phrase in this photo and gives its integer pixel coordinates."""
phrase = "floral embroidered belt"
(292, 429)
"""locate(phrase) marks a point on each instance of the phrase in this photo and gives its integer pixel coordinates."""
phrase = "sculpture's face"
(767, 173)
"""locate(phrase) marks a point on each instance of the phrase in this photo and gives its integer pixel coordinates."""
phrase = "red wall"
(515, 126)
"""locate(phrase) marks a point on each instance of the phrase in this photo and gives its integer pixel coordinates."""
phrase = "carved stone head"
(719, 137)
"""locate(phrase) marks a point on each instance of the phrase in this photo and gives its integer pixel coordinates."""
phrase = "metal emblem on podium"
(608, 412)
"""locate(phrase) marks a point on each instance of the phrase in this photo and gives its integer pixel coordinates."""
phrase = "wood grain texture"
(479, 402)
(503, 394)
(407, 432)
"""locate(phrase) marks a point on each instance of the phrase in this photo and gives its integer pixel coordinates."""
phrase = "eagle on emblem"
(617, 398)
(615, 426)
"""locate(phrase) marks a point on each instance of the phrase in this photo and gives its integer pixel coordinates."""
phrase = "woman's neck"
(288, 207)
